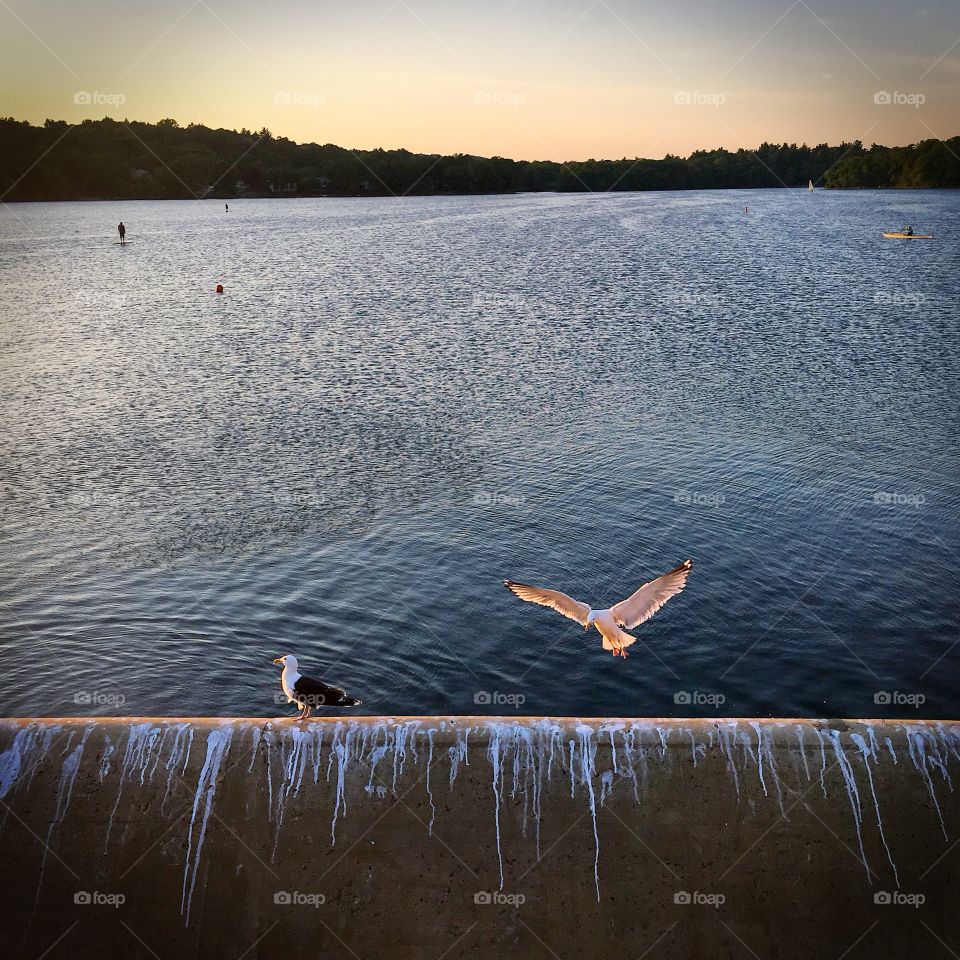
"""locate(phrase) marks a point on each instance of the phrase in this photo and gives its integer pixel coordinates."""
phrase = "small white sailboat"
(810, 186)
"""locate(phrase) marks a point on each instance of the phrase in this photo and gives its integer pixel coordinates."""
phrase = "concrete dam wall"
(475, 837)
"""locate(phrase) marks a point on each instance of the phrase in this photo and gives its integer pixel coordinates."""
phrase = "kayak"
(909, 236)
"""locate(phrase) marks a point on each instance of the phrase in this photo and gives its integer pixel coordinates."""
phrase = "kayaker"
(907, 231)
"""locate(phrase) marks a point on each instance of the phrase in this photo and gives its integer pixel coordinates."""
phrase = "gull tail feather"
(617, 638)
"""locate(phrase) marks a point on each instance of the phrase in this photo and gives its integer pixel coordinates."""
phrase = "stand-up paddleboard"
(909, 236)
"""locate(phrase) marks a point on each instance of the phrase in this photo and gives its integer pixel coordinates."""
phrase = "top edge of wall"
(458, 720)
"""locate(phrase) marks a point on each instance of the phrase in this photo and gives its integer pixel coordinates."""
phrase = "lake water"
(397, 403)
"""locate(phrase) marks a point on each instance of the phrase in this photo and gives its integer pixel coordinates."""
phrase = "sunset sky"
(559, 80)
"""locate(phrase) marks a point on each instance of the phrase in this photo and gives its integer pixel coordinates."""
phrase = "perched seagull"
(309, 692)
(627, 613)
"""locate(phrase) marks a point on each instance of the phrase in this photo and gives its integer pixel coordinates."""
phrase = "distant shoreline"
(111, 160)
(515, 193)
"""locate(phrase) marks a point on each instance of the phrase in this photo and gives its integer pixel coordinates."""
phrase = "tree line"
(118, 160)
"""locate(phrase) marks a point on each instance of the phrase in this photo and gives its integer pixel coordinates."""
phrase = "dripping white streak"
(917, 750)
(494, 753)
(218, 743)
(587, 754)
(853, 794)
(866, 754)
(68, 777)
(433, 810)
(803, 751)
(756, 726)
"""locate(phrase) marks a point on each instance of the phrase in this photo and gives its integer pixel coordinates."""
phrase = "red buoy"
(219, 288)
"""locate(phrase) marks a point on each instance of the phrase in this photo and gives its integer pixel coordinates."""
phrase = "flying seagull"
(627, 613)
(308, 692)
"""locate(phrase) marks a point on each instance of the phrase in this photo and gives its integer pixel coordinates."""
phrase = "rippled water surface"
(397, 403)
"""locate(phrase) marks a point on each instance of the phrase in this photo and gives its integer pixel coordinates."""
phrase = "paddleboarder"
(122, 230)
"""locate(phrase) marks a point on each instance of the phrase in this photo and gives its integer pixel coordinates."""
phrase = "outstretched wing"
(554, 599)
(651, 597)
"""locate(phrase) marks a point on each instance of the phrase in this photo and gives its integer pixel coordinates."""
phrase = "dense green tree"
(113, 159)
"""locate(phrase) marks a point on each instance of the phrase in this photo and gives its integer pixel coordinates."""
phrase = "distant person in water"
(122, 230)
(226, 207)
